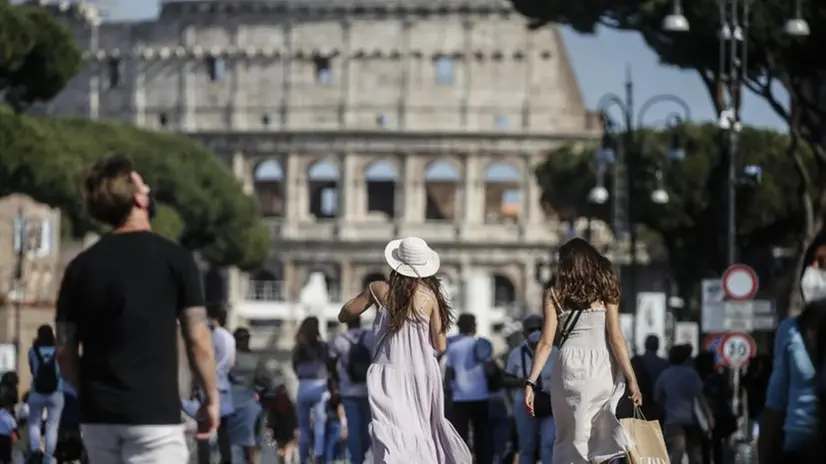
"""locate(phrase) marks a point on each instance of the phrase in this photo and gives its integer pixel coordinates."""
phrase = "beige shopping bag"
(647, 443)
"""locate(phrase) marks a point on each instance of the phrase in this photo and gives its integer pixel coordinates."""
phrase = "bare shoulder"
(380, 289)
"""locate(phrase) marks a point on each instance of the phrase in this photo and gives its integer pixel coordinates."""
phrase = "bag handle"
(570, 322)
(638, 413)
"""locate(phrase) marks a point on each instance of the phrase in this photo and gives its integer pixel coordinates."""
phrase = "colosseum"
(353, 122)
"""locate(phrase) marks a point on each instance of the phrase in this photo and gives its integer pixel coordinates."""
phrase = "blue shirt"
(469, 381)
(47, 353)
(681, 386)
(792, 387)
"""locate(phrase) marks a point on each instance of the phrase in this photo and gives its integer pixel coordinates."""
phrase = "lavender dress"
(404, 386)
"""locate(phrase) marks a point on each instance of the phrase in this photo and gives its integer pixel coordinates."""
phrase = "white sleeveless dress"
(586, 385)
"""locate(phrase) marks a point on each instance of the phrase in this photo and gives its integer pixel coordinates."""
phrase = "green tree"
(201, 204)
(687, 226)
(38, 55)
(773, 59)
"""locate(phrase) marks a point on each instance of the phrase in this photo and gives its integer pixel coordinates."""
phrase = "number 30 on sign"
(737, 349)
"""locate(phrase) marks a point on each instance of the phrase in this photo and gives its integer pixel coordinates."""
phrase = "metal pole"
(629, 153)
(731, 142)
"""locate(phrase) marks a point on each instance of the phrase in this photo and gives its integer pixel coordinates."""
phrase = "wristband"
(530, 383)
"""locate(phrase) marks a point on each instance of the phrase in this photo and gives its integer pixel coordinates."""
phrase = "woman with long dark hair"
(592, 364)
(46, 393)
(404, 383)
(789, 426)
(310, 358)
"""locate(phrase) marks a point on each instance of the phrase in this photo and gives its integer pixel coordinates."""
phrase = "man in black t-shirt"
(122, 300)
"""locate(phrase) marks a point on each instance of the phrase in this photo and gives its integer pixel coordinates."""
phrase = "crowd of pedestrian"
(401, 391)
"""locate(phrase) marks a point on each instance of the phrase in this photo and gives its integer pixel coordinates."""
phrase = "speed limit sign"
(737, 349)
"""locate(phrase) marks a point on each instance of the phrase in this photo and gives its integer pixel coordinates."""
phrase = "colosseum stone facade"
(353, 122)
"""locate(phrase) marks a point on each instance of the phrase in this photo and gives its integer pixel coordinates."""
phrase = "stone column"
(470, 192)
(347, 188)
(186, 83)
(413, 190)
(96, 69)
(295, 189)
(139, 91)
(242, 169)
(290, 280)
(238, 119)
(346, 281)
(400, 207)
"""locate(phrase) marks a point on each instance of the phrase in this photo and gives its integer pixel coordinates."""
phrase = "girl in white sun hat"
(404, 383)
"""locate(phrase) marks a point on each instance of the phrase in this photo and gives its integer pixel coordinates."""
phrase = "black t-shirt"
(124, 295)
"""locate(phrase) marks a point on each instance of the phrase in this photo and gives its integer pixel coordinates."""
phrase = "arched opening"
(323, 183)
(269, 188)
(441, 180)
(504, 292)
(267, 284)
(372, 277)
(332, 279)
(381, 178)
(503, 193)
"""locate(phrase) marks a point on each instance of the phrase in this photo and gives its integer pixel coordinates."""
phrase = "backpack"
(359, 360)
(46, 379)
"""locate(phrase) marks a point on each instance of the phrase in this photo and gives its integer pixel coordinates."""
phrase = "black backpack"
(46, 379)
(359, 360)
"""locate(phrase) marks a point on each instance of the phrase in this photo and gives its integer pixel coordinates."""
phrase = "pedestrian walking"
(679, 389)
(123, 299)
(404, 384)
(790, 423)
(534, 433)
(243, 423)
(467, 360)
(353, 354)
(587, 380)
(310, 362)
(45, 396)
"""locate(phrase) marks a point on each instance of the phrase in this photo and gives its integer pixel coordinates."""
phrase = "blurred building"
(353, 122)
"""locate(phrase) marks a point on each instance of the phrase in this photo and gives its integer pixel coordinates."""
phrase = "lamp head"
(676, 22)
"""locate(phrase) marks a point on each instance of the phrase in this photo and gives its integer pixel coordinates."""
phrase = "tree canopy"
(201, 204)
(769, 212)
(38, 55)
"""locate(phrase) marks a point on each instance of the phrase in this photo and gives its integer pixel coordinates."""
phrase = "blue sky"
(600, 62)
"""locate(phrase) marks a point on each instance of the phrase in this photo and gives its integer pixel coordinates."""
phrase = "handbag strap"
(570, 322)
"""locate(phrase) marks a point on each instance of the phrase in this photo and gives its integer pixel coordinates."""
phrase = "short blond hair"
(108, 189)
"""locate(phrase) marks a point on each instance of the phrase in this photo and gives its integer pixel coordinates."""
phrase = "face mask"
(533, 337)
(813, 284)
(151, 208)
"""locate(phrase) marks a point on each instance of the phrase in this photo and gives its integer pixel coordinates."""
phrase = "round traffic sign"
(740, 282)
(737, 349)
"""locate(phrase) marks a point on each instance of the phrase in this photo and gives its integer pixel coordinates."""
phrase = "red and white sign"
(740, 282)
(737, 349)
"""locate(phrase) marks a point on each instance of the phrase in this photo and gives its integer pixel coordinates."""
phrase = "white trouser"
(135, 444)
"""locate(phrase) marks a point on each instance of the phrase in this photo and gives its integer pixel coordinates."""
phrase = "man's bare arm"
(68, 352)
(199, 349)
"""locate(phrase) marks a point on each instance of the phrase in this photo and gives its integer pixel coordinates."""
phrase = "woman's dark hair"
(583, 276)
(400, 298)
(308, 344)
(218, 312)
(10, 379)
(679, 354)
(45, 336)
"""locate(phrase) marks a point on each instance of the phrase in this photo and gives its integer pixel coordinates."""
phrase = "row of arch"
(502, 198)
(504, 290)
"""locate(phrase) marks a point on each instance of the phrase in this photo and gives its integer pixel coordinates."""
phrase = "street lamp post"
(626, 165)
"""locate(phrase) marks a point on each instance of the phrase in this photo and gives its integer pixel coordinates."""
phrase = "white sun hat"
(411, 257)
